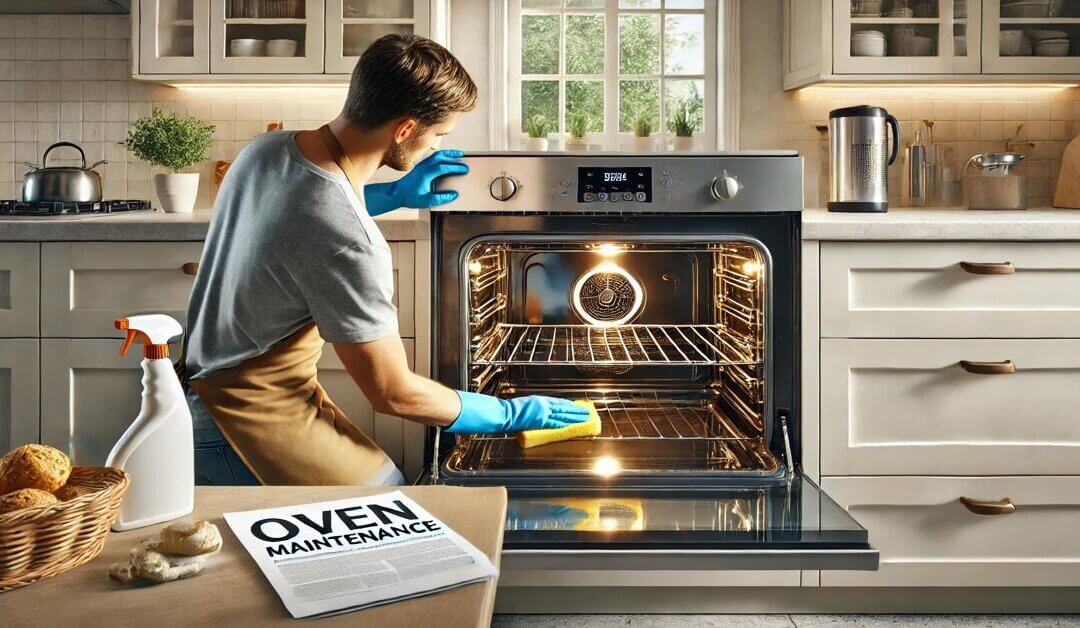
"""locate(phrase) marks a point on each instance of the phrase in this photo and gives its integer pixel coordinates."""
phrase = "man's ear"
(405, 129)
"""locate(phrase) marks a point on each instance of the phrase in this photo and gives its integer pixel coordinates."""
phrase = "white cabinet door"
(271, 37)
(386, 430)
(20, 267)
(1011, 36)
(950, 289)
(928, 538)
(89, 395)
(404, 256)
(352, 25)
(86, 286)
(937, 41)
(914, 407)
(174, 36)
(19, 392)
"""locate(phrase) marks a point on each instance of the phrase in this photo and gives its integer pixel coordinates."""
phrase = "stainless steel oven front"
(665, 289)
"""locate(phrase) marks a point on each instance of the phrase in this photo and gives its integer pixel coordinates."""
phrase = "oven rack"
(512, 344)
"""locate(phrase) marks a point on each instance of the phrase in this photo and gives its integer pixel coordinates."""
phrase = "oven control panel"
(614, 185)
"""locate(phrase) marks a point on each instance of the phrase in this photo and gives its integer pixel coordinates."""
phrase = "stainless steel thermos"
(859, 158)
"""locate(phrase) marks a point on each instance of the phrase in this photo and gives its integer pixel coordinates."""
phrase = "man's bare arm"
(381, 370)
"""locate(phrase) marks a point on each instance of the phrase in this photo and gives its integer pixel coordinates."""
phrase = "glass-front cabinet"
(352, 25)
(906, 36)
(266, 36)
(173, 37)
(1031, 36)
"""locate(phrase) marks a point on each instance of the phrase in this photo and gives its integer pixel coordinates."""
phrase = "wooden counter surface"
(231, 591)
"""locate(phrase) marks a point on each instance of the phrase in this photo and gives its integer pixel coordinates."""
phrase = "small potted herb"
(536, 128)
(682, 124)
(643, 128)
(173, 142)
(578, 124)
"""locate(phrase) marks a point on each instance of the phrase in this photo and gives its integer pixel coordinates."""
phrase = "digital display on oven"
(614, 185)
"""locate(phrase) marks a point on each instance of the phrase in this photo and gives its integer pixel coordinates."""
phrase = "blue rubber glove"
(415, 188)
(484, 414)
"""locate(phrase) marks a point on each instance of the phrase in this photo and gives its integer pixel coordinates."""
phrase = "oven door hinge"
(787, 441)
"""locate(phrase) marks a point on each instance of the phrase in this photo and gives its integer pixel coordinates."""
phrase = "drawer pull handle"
(988, 368)
(988, 506)
(979, 268)
(190, 269)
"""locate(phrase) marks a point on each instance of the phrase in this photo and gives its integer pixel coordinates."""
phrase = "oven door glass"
(771, 526)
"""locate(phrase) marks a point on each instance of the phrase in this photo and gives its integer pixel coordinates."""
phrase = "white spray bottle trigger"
(152, 330)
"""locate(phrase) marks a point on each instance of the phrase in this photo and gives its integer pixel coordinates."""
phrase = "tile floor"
(778, 621)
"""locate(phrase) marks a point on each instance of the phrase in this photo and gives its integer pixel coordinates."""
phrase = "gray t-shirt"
(289, 243)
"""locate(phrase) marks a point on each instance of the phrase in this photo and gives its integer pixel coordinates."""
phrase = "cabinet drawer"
(903, 407)
(922, 290)
(20, 266)
(928, 538)
(87, 285)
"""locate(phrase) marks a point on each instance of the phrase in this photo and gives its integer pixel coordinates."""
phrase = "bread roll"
(34, 466)
(68, 492)
(190, 538)
(25, 498)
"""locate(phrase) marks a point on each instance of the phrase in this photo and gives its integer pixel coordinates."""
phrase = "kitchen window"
(612, 66)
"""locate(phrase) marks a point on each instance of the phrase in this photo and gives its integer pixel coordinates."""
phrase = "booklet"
(339, 556)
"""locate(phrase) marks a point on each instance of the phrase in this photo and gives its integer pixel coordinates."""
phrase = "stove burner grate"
(60, 208)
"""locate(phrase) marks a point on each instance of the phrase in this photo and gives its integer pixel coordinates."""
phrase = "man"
(293, 258)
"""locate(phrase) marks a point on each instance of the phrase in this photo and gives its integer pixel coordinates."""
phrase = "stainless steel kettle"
(63, 184)
(859, 158)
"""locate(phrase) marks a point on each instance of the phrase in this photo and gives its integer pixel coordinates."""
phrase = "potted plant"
(643, 128)
(174, 142)
(683, 127)
(536, 128)
(578, 124)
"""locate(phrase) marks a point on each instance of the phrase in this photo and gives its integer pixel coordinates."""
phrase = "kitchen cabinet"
(86, 286)
(173, 37)
(89, 395)
(19, 393)
(20, 269)
(928, 538)
(301, 40)
(929, 40)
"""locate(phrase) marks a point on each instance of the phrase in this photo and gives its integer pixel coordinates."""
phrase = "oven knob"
(502, 188)
(725, 187)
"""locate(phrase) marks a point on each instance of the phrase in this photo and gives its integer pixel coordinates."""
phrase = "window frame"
(611, 138)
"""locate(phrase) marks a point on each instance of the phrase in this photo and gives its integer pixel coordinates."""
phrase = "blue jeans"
(216, 463)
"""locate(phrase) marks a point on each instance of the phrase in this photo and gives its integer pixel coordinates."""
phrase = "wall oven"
(664, 289)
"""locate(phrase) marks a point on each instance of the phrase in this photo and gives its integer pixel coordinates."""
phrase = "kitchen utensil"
(1039, 34)
(994, 164)
(1052, 48)
(1067, 193)
(1012, 42)
(247, 47)
(992, 192)
(860, 157)
(902, 41)
(281, 48)
(865, 8)
(901, 8)
(1026, 8)
(915, 188)
(923, 46)
(79, 184)
(868, 44)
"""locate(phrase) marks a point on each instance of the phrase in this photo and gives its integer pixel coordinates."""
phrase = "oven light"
(607, 466)
(609, 523)
(609, 250)
(475, 268)
(751, 268)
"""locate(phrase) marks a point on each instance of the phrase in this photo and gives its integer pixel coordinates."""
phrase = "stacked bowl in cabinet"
(949, 388)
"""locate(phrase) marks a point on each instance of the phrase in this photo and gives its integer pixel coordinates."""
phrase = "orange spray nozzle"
(152, 330)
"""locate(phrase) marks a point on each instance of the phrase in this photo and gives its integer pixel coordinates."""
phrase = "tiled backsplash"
(68, 77)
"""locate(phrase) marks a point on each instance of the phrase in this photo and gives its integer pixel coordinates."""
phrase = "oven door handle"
(858, 559)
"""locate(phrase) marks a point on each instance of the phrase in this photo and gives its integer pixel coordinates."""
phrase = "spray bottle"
(156, 450)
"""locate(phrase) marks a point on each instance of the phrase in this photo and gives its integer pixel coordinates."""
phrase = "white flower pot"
(682, 143)
(536, 144)
(176, 191)
(576, 143)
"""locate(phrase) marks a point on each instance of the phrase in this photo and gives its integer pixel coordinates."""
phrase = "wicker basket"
(37, 543)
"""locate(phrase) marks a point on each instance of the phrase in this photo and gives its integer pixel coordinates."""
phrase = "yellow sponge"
(585, 429)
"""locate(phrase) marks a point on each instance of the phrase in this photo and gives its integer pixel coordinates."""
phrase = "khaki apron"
(277, 416)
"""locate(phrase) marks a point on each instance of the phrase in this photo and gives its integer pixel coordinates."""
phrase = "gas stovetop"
(43, 209)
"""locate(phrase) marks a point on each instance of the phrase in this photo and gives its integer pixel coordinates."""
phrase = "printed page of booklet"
(339, 556)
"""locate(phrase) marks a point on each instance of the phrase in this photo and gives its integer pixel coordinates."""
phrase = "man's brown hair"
(407, 76)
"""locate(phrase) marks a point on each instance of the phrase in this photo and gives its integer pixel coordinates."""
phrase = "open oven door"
(771, 526)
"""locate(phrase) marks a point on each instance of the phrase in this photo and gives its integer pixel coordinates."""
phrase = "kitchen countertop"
(943, 224)
(233, 592)
(402, 224)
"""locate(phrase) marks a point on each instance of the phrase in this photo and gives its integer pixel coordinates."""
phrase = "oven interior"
(666, 337)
